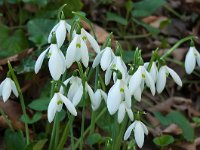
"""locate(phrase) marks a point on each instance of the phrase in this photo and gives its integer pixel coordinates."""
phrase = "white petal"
(137, 94)
(198, 59)
(53, 30)
(121, 67)
(85, 55)
(106, 58)
(39, 61)
(108, 75)
(72, 90)
(151, 83)
(62, 58)
(71, 52)
(55, 63)
(161, 81)
(69, 105)
(114, 98)
(190, 61)
(130, 113)
(65, 83)
(97, 60)
(175, 76)
(77, 97)
(121, 112)
(97, 100)
(135, 80)
(90, 93)
(14, 89)
(104, 95)
(139, 134)
(6, 89)
(129, 130)
(1, 87)
(52, 108)
(92, 41)
(61, 33)
(127, 96)
(154, 72)
(144, 128)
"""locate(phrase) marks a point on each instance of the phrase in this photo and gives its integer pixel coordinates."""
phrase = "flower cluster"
(127, 85)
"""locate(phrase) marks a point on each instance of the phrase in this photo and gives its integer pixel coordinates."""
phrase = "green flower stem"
(6, 119)
(88, 129)
(21, 98)
(71, 119)
(57, 127)
(177, 45)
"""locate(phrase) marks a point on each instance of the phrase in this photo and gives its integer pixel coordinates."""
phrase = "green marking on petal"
(78, 45)
(143, 75)
(84, 38)
(122, 90)
(59, 102)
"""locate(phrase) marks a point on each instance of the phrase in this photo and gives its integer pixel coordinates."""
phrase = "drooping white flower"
(57, 63)
(88, 37)
(139, 130)
(192, 57)
(60, 30)
(153, 71)
(75, 91)
(6, 87)
(98, 96)
(119, 99)
(77, 51)
(117, 64)
(56, 104)
(137, 81)
(104, 57)
(164, 71)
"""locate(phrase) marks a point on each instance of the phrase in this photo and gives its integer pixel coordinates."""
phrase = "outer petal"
(97, 100)
(39, 61)
(121, 112)
(114, 98)
(108, 75)
(71, 52)
(130, 113)
(72, 90)
(6, 91)
(65, 83)
(55, 63)
(198, 59)
(161, 81)
(62, 58)
(129, 130)
(154, 72)
(104, 95)
(92, 41)
(149, 79)
(77, 97)
(52, 108)
(97, 59)
(127, 96)
(85, 55)
(139, 134)
(14, 89)
(69, 105)
(61, 33)
(106, 58)
(91, 93)
(175, 76)
(137, 94)
(144, 128)
(135, 80)
(190, 61)
(1, 86)
(53, 30)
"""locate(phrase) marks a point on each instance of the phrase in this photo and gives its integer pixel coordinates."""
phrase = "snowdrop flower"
(139, 130)
(57, 63)
(119, 98)
(117, 64)
(88, 37)
(137, 81)
(98, 96)
(75, 91)
(104, 57)
(6, 87)
(153, 71)
(164, 71)
(60, 30)
(56, 104)
(191, 58)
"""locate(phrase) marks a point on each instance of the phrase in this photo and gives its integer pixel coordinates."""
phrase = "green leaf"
(38, 2)
(40, 144)
(26, 65)
(196, 120)
(40, 104)
(146, 7)
(39, 30)
(12, 42)
(116, 18)
(182, 122)
(163, 140)
(163, 120)
(14, 140)
(37, 116)
(128, 56)
(94, 138)
(151, 29)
